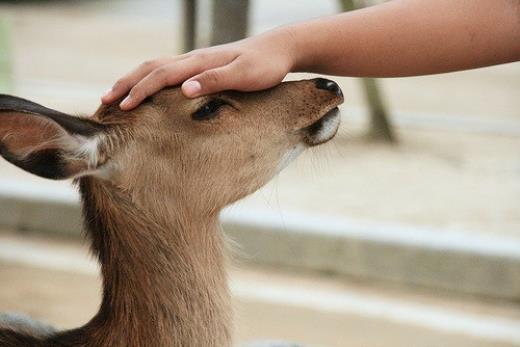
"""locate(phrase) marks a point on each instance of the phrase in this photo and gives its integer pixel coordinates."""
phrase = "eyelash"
(208, 110)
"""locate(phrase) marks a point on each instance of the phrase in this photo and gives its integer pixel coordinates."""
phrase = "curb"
(464, 263)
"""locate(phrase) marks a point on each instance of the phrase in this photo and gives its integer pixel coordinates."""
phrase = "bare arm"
(411, 37)
(398, 38)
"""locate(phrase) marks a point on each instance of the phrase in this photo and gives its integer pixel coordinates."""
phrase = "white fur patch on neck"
(290, 156)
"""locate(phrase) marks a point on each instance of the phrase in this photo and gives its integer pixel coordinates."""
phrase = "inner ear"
(35, 145)
(49, 144)
(21, 134)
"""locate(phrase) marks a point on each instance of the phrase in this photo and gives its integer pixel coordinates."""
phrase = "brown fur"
(151, 211)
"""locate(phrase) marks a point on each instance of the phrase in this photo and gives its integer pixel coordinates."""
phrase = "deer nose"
(331, 86)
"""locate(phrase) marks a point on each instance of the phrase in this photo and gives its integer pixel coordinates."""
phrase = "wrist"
(298, 47)
(287, 45)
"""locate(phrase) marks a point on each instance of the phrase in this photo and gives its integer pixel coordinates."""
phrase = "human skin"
(395, 39)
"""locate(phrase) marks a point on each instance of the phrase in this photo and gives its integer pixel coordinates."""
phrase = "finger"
(166, 75)
(215, 80)
(124, 84)
(172, 74)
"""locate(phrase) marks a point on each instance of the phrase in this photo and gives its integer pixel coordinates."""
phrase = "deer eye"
(208, 110)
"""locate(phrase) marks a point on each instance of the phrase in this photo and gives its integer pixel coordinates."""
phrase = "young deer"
(152, 183)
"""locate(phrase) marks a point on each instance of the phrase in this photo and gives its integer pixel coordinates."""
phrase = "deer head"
(208, 151)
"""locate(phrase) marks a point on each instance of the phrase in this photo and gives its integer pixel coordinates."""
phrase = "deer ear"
(46, 142)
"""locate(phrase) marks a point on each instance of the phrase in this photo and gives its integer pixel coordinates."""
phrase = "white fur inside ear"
(289, 156)
(88, 149)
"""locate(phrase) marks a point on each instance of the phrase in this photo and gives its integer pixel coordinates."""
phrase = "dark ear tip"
(73, 125)
(15, 103)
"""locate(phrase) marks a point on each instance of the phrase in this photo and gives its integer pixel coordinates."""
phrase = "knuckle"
(211, 77)
(160, 73)
(134, 93)
(244, 63)
(148, 64)
(120, 84)
(170, 79)
(199, 55)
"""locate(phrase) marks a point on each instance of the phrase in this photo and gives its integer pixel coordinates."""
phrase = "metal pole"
(190, 24)
(230, 21)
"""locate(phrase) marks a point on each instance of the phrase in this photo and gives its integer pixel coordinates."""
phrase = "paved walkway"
(45, 278)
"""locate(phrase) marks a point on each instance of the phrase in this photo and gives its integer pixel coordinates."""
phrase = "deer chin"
(323, 130)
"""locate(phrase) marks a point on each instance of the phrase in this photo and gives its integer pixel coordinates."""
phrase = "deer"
(152, 183)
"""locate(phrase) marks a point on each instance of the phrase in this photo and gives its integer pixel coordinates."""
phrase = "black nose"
(331, 86)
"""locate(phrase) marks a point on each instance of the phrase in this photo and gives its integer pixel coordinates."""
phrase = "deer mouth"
(323, 129)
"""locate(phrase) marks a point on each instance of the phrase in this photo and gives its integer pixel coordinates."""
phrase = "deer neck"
(164, 280)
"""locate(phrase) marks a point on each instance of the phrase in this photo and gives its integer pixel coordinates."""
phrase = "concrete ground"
(54, 280)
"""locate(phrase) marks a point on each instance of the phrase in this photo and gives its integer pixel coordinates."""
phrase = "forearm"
(409, 37)
(398, 38)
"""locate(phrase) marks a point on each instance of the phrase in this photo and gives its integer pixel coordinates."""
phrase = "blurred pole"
(380, 126)
(190, 24)
(230, 21)
(6, 68)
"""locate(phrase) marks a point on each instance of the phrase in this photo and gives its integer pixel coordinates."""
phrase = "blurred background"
(404, 230)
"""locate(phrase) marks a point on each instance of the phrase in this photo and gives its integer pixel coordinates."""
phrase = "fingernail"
(191, 88)
(105, 98)
(125, 103)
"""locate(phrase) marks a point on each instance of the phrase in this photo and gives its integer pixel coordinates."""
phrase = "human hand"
(251, 64)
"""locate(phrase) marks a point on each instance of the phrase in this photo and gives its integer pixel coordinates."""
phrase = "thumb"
(210, 81)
